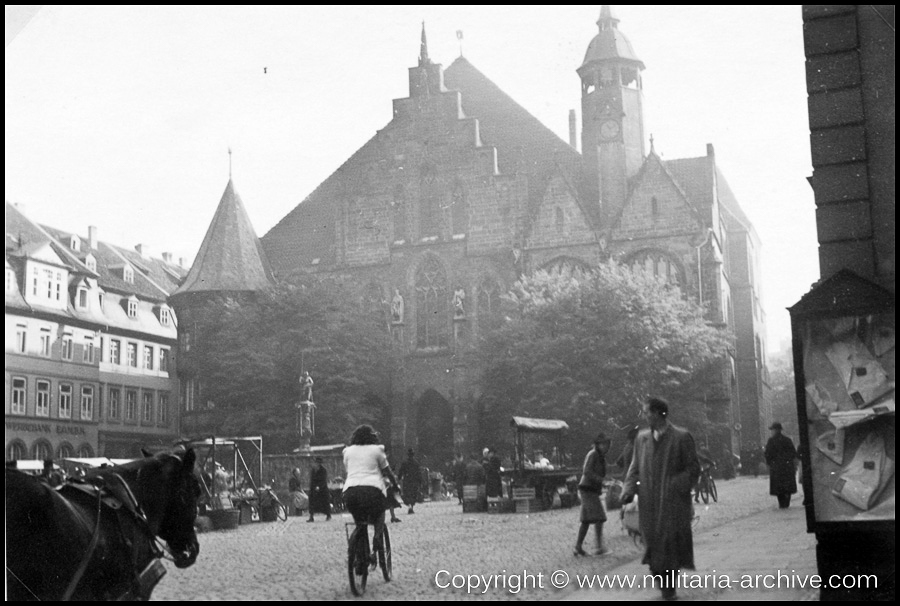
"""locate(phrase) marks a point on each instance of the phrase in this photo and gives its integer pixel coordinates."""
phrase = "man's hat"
(410, 452)
(775, 425)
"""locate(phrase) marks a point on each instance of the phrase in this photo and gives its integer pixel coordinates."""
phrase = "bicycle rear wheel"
(358, 561)
(281, 512)
(704, 490)
(384, 557)
(712, 490)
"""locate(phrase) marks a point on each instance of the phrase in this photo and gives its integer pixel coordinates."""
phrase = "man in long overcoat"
(410, 476)
(665, 463)
(781, 457)
(319, 496)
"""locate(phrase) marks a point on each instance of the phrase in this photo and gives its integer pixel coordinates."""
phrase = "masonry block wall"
(850, 82)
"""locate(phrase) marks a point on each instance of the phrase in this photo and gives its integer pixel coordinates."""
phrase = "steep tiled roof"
(523, 143)
(231, 257)
(168, 276)
(109, 267)
(307, 232)
(695, 175)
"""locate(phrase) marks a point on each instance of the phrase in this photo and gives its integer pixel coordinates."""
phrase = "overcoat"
(319, 496)
(410, 476)
(667, 471)
(780, 457)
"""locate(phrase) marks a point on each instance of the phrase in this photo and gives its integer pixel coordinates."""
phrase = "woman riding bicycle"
(364, 489)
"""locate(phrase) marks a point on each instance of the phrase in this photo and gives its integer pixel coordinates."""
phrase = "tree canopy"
(589, 346)
(253, 350)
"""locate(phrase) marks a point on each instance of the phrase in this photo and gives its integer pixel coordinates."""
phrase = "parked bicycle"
(360, 559)
(265, 507)
(706, 486)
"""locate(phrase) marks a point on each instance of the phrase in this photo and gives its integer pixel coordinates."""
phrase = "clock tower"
(612, 135)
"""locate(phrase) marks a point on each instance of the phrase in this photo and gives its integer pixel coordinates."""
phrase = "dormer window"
(132, 307)
(91, 262)
(128, 274)
(75, 243)
(164, 317)
(81, 297)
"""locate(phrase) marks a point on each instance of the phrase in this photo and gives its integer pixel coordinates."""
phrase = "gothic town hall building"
(463, 191)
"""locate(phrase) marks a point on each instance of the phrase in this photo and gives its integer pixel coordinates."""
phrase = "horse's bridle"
(135, 511)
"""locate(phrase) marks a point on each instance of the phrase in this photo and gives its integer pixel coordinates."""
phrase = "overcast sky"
(122, 117)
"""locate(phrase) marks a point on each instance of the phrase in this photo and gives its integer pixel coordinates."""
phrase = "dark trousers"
(784, 501)
(366, 504)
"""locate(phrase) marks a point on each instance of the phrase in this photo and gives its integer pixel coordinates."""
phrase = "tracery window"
(432, 305)
(659, 264)
(488, 304)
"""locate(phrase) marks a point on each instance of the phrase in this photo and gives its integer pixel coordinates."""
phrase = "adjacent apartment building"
(90, 344)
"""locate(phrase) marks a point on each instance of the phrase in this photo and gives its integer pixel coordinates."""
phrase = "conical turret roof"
(231, 257)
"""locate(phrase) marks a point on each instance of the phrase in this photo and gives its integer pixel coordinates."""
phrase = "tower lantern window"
(607, 77)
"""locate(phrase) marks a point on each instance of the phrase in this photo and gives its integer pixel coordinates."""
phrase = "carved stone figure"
(397, 307)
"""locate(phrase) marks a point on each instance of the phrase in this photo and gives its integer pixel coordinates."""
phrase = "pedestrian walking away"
(319, 495)
(589, 489)
(781, 457)
(663, 471)
(410, 474)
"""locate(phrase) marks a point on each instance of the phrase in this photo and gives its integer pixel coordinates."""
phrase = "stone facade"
(463, 191)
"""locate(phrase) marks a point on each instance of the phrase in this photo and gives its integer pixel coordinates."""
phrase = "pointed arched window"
(488, 308)
(432, 305)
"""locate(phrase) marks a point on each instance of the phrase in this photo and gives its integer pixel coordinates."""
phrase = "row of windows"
(127, 409)
(148, 360)
(65, 399)
(42, 450)
(149, 411)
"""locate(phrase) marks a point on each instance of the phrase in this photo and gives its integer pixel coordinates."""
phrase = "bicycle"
(268, 498)
(359, 558)
(706, 486)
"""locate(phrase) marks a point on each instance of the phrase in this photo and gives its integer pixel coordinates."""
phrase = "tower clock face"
(609, 130)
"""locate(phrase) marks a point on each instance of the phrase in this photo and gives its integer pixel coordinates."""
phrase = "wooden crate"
(523, 493)
(473, 506)
(527, 505)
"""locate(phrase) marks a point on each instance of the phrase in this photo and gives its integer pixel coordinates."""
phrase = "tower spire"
(229, 162)
(607, 19)
(423, 49)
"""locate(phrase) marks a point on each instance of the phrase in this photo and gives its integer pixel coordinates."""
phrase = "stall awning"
(539, 424)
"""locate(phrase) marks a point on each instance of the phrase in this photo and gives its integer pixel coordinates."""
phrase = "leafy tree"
(254, 348)
(589, 347)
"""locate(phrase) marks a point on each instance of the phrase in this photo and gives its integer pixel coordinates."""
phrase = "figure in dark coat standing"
(665, 463)
(319, 497)
(493, 484)
(410, 476)
(781, 457)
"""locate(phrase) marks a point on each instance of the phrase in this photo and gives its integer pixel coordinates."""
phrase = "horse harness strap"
(113, 493)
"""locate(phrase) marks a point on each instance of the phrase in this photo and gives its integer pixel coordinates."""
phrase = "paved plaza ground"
(744, 533)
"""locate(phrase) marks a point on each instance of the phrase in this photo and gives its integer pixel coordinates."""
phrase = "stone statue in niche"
(397, 307)
(459, 302)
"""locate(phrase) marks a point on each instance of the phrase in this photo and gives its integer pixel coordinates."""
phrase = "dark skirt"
(320, 501)
(591, 508)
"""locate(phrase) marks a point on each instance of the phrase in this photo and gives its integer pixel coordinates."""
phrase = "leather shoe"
(579, 552)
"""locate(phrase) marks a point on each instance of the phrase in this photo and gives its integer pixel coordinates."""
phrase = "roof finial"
(459, 36)
(652, 150)
(229, 163)
(607, 19)
(423, 49)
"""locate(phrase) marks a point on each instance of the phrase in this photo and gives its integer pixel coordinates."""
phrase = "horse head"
(168, 489)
